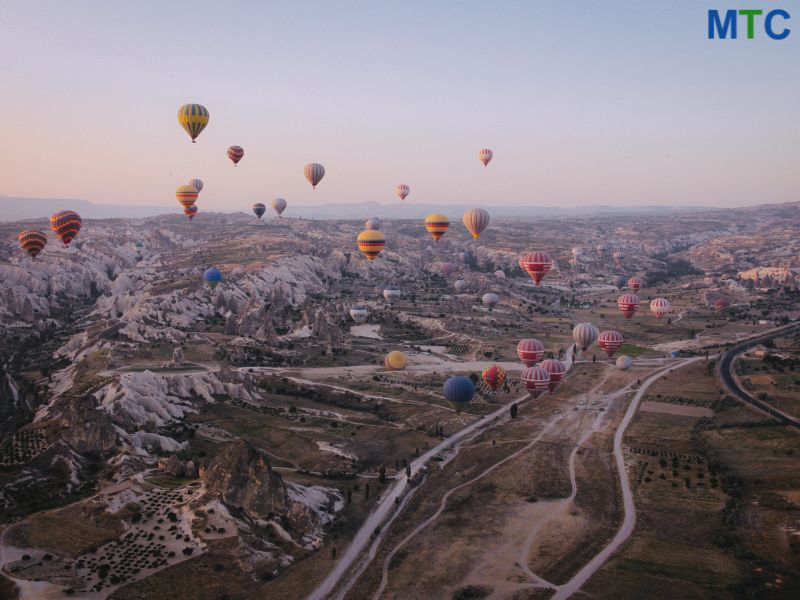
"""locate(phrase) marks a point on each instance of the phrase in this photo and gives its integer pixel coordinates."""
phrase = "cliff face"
(241, 477)
(86, 429)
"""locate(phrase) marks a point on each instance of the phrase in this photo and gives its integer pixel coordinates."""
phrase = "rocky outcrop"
(241, 477)
(86, 429)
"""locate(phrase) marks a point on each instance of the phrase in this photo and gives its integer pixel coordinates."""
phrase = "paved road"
(731, 382)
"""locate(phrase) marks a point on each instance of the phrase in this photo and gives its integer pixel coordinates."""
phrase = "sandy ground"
(676, 409)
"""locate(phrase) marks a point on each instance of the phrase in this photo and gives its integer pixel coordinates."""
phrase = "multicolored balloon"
(619, 281)
(186, 195)
(374, 224)
(557, 371)
(610, 341)
(494, 376)
(601, 250)
(628, 304)
(618, 257)
(659, 307)
(196, 184)
(279, 205)
(402, 191)
(259, 208)
(395, 361)
(33, 242)
(536, 264)
(476, 220)
(530, 351)
(437, 225)
(212, 277)
(536, 380)
(66, 224)
(190, 211)
(485, 156)
(371, 243)
(458, 391)
(447, 268)
(314, 172)
(193, 118)
(585, 334)
(624, 362)
(235, 153)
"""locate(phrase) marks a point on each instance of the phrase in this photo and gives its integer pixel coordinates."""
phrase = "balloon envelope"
(196, 184)
(458, 391)
(193, 118)
(259, 209)
(66, 224)
(395, 361)
(32, 242)
(371, 243)
(585, 334)
(485, 156)
(279, 205)
(212, 277)
(314, 172)
(476, 220)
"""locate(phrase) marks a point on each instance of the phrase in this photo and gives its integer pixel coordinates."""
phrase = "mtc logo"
(774, 23)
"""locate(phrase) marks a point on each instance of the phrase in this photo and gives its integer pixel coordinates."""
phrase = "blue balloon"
(458, 390)
(212, 277)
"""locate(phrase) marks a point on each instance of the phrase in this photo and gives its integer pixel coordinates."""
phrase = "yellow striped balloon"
(437, 225)
(371, 243)
(186, 195)
(193, 118)
(33, 242)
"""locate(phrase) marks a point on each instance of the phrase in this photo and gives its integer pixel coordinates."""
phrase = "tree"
(382, 475)
(514, 410)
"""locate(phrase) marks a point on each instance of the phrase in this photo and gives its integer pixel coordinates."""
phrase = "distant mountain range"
(18, 209)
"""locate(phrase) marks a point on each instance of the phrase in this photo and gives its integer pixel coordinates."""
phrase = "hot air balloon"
(190, 211)
(371, 243)
(635, 283)
(314, 172)
(395, 361)
(196, 184)
(618, 258)
(485, 156)
(557, 371)
(392, 294)
(458, 391)
(447, 268)
(610, 341)
(186, 195)
(624, 362)
(359, 313)
(373, 224)
(476, 220)
(279, 205)
(66, 224)
(465, 256)
(659, 307)
(235, 153)
(460, 285)
(577, 253)
(720, 304)
(601, 250)
(530, 351)
(619, 281)
(33, 242)
(494, 376)
(212, 277)
(490, 300)
(500, 274)
(193, 118)
(585, 334)
(536, 380)
(259, 208)
(536, 265)
(437, 225)
(402, 191)
(628, 304)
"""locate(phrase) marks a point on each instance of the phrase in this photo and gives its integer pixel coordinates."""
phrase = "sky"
(583, 102)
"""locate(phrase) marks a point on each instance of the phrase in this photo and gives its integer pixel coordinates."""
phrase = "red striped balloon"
(530, 351)
(485, 156)
(536, 264)
(557, 371)
(235, 153)
(65, 224)
(402, 191)
(628, 304)
(610, 341)
(190, 211)
(33, 242)
(659, 307)
(635, 283)
(536, 380)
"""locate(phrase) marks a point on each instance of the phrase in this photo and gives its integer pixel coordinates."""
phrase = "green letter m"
(717, 27)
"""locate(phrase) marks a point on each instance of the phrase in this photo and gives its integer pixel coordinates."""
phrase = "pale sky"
(583, 102)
